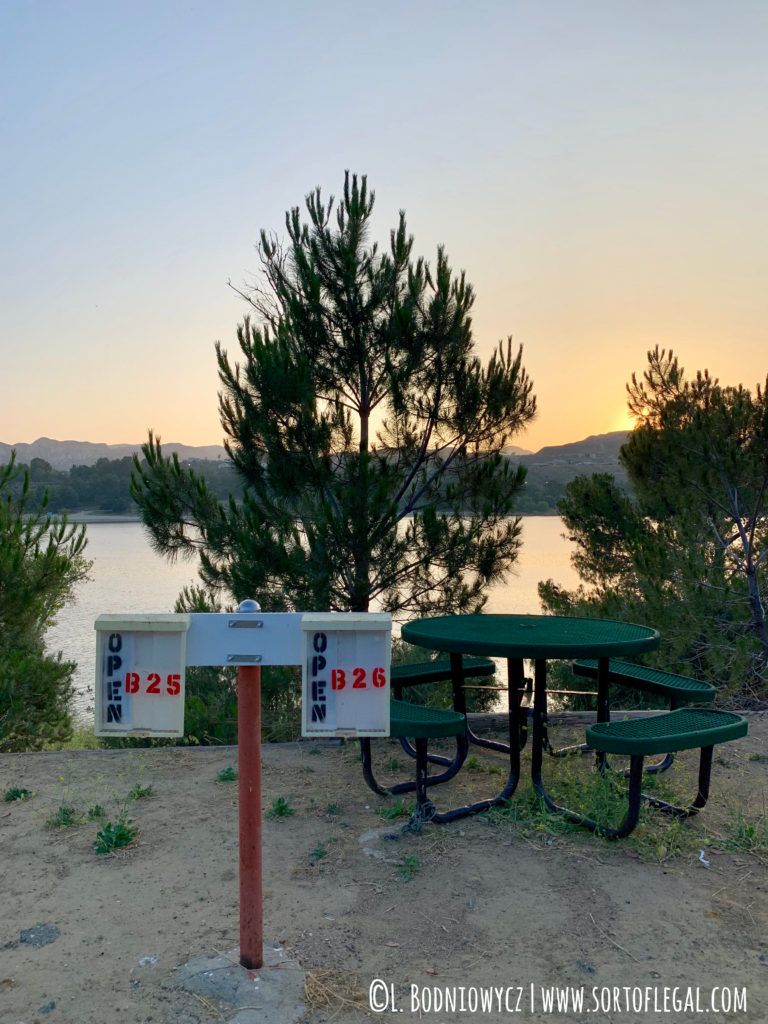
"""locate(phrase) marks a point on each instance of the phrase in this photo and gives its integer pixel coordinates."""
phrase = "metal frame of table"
(539, 638)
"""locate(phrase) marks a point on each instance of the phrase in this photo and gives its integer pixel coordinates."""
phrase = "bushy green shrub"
(35, 690)
(41, 561)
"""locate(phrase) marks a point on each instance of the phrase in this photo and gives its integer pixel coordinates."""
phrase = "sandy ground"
(524, 907)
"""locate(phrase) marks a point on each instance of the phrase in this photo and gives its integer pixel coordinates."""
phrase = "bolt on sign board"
(140, 662)
(345, 674)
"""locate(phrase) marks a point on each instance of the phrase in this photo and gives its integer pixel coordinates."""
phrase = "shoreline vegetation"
(100, 491)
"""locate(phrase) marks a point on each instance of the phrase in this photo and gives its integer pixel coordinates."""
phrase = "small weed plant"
(399, 809)
(408, 867)
(747, 835)
(227, 774)
(140, 792)
(16, 793)
(96, 813)
(473, 765)
(280, 809)
(115, 836)
(64, 817)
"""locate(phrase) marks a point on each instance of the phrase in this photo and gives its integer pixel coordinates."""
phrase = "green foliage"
(96, 813)
(115, 836)
(64, 817)
(105, 486)
(280, 809)
(365, 430)
(41, 561)
(747, 835)
(228, 774)
(686, 551)
(140, 792)
(397, 809)
(16, 793)
(472, 764)
(408, 867)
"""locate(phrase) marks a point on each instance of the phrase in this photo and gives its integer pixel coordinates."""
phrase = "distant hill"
(599, 449)
(550, 469)
(63, 454)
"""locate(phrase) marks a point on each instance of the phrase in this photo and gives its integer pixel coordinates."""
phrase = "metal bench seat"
(421, 724)
(677, 689)
(674, 688)
(683, 729)
(436, 671)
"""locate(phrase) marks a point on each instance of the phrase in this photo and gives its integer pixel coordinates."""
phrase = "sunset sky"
(598, 169)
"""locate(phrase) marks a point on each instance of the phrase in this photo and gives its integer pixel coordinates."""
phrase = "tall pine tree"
(687, 550)
(367, 433)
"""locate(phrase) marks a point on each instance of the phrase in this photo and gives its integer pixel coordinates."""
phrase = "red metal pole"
(249, 793)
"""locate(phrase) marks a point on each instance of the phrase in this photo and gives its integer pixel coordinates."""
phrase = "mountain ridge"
(600, 449)
(63, 455)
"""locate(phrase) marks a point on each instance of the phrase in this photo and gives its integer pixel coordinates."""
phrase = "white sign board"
(345, 674)
(244, 638)
(140, 675)
(140, 662)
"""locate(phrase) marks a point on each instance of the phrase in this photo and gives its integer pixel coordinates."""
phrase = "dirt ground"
(643, 927)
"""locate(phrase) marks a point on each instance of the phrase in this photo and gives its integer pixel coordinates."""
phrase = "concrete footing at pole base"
(273, 994)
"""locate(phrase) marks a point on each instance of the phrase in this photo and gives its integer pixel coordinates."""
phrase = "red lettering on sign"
(379, 677)
(338, 679)
(359, 677)
(154, 683)
(131, 682)
(173, 683)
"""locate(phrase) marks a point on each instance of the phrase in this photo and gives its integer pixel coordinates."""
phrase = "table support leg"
(603, 706)
(407, 787)
(539, 719)
(425, 809)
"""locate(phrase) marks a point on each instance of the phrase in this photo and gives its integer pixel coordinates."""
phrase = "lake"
(128, 576)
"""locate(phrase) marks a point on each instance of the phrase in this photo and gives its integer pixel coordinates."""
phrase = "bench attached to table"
(418, 673)
(422, 724)
(670, 731)
(676, 689)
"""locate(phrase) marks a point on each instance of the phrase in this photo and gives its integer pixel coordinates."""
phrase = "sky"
(598, 169)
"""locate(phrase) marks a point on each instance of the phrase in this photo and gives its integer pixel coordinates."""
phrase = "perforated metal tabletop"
(531, 636)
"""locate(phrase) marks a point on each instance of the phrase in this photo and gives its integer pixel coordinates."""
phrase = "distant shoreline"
(99, 517)
(90, 518)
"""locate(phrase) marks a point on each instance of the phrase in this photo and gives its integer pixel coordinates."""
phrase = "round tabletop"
(531, 636)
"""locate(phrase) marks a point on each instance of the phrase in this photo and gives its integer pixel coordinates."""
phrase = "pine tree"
(367, 433)
(687, 550)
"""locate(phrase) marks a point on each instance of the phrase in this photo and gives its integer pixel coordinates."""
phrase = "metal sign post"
(249, 809)
(249, 800)
(140, 692)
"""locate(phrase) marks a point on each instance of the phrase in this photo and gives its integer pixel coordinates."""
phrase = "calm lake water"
(128, 576)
